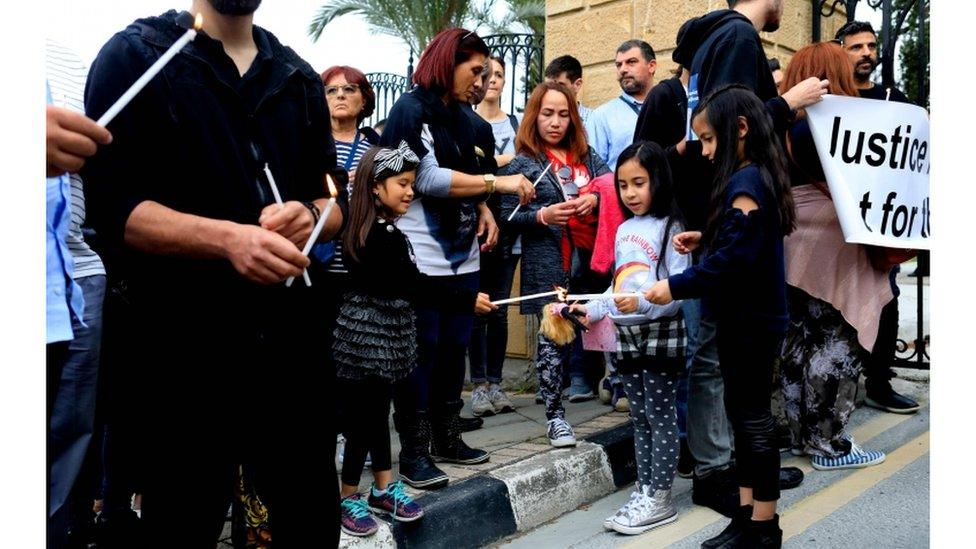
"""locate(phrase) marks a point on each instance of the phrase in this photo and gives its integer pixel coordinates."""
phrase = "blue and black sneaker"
(395, 502)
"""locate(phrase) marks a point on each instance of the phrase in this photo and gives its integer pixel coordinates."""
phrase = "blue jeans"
(691, 310)
(489, 338)
(709, 431)
(442, 340)
(73, 407)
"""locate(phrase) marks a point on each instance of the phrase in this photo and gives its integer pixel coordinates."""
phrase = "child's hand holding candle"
(659, 293)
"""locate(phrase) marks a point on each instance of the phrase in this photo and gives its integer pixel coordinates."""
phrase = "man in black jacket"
(719, 48)
(231, 371)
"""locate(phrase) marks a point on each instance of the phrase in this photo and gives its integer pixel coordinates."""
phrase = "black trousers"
(57, 526)
(231, 380)
(366, 407)
(746, 356)
(877, 368)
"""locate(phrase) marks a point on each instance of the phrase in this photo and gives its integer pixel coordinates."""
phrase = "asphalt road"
(885, 506)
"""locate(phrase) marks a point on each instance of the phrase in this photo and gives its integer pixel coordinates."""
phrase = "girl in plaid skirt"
(651, 338)
(742, 282)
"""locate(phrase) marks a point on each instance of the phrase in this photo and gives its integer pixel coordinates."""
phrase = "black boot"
(763, 534)
(446, 443)
(790, 477)
(471, 424)
(686, 462)
(416, 466)
(717, 491)
(734, 532)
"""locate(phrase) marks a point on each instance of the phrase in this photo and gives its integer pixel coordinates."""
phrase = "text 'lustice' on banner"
(876, 156)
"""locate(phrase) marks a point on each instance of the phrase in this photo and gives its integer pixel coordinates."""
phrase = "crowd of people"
(694, 207)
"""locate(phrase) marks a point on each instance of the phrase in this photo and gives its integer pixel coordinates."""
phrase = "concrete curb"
(470, 513)
(487, 508)
(550, 484)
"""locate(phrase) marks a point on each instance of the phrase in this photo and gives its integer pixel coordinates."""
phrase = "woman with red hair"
(443, 223)
(835, 311)
(558, 227)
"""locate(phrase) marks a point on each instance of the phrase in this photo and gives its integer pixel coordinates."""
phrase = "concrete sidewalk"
(526, 482)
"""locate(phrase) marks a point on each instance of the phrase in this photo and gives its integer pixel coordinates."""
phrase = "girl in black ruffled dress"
(375, 336)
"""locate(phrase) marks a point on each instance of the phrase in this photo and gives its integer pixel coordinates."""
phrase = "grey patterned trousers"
(819, 368)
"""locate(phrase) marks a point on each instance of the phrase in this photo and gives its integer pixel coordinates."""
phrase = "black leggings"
(746, 358)
(366, 413)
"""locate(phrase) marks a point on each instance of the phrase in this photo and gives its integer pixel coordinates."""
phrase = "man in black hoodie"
(719, 48)
(231, 371)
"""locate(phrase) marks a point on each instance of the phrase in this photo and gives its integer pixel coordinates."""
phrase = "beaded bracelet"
(315, 212)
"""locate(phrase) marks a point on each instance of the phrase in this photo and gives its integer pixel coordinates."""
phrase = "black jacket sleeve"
(121, 175)
(742, 237)
(386, 270)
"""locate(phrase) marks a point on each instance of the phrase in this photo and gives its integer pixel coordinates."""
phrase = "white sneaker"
(634, 496)
(481, 402)
(499, 400)
(561, 433)
(650, 510)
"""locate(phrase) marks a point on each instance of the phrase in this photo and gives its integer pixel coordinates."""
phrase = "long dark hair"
(652, 158)
(364, 206)
(722, 108)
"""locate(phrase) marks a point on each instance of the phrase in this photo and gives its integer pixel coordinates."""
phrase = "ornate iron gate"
(523, 55)
(388, 87)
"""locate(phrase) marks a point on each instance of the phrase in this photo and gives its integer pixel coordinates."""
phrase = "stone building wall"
(591, 30)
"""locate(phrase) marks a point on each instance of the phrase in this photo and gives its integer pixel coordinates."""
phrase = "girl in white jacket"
(651, 338)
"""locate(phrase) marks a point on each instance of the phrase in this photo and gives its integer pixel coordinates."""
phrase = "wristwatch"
(489, 183)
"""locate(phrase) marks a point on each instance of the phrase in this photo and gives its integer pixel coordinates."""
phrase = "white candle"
(591, 297)
(137, 86)
(318, 226)
(524, 298)
(281, 206)
(274, 186)
(537, 180)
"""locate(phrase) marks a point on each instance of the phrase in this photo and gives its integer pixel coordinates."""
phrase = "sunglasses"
(569, 185)
(347, 89)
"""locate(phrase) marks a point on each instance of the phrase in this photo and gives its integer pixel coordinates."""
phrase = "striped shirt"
(343, 150)
(66, 75)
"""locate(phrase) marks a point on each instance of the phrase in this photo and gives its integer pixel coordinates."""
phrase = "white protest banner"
(875, 155)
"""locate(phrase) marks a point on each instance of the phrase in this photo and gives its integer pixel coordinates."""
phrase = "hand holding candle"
(320, 225)
(534, 185)
(281, 206)
(659, 293)
(137, 86)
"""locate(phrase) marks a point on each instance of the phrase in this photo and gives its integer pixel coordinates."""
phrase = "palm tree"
(531, 14)
(415, 22)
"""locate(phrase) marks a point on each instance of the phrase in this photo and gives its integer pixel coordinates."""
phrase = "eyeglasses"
(347, 89)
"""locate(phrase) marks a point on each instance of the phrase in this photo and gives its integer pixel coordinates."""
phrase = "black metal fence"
(388, 87)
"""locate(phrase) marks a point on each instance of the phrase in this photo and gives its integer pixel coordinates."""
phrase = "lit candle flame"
(561, 296)
(198, 22)
(332, 188)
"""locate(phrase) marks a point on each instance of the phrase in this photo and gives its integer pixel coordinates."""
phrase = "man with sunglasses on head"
(232, 370)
